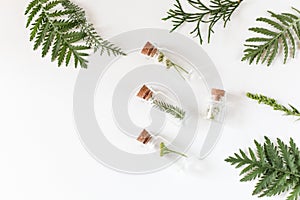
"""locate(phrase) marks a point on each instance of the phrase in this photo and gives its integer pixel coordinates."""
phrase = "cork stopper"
(145, 93)
(144, 137)
(149, 49)
(217, 94)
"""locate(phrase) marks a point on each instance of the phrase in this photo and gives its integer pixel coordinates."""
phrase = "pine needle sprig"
(61, 26)
(168, 108)
(284, 35)
(261, 99)
(219, 10)
(276, 166)
(164, 150)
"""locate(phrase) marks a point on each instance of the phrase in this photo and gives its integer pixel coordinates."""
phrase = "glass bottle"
(216, 107)
(152, 51)
(161, 102)
(187, 163)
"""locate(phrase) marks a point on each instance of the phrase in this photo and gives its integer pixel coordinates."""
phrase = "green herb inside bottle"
(150, 50)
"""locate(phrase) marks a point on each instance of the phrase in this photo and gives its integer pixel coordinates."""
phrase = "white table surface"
(41, 154)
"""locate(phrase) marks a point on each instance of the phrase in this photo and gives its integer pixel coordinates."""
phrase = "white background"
(41, 156)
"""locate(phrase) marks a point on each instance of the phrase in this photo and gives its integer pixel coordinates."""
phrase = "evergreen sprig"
(168, 108)
(218, 10)
(261, 99)
(164, 150)
(61, 26)
(276, 166)
(285, 35)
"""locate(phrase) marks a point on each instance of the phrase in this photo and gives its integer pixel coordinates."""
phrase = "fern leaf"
(279, 186)
(291, 39)
(285, 49)
(271, 22)
(31, 5)
(274, 52)
(48, 42)
(263, 31)
(253, 174)
(68, 57)
(81, 47)
(56, 47)
(36, 26)
(257, 39)
(277, 168)
(33, 13)
(285, 35)
(75, 37)
(272, 153)
(295, 193)
(59, 13)
(61, 27)
(287, 157)
(295, 151)
(52, 4)
(62, 54)
(41, 35)
(260, 152)
(264, 182)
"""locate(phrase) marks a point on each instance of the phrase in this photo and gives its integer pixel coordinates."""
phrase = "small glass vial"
(160, 101)
(216, 107)
(152, 142)
(188, 163)
(152, 51)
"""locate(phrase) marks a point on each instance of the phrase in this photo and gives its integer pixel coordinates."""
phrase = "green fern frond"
(261, 99)
(218, 10)
(168, 108)
(92, 38)
(276, 166)
(265, 48)
(31, 5)
(61, 27)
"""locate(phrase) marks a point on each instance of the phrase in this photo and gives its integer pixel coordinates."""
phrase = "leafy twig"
(261, 99)
(92, 38)
(285, 35)
(219, 10)
(168, 108)
(162, 58)
(165, 150)
(275, 166)
(61, 26)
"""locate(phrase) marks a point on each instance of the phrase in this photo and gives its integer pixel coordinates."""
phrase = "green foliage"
(170, 64)
(61, 26)
(168, 108)
(285, 35)
(276, 166)
(261, 99)
(219, 10)
(164, 150)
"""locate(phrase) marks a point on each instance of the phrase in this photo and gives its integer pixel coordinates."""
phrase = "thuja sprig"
(168, 108)
(276, 166)
(261, 99)
(61, 26)
(168, 63)
(164, 150)
(218, 10)
(266, 46)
